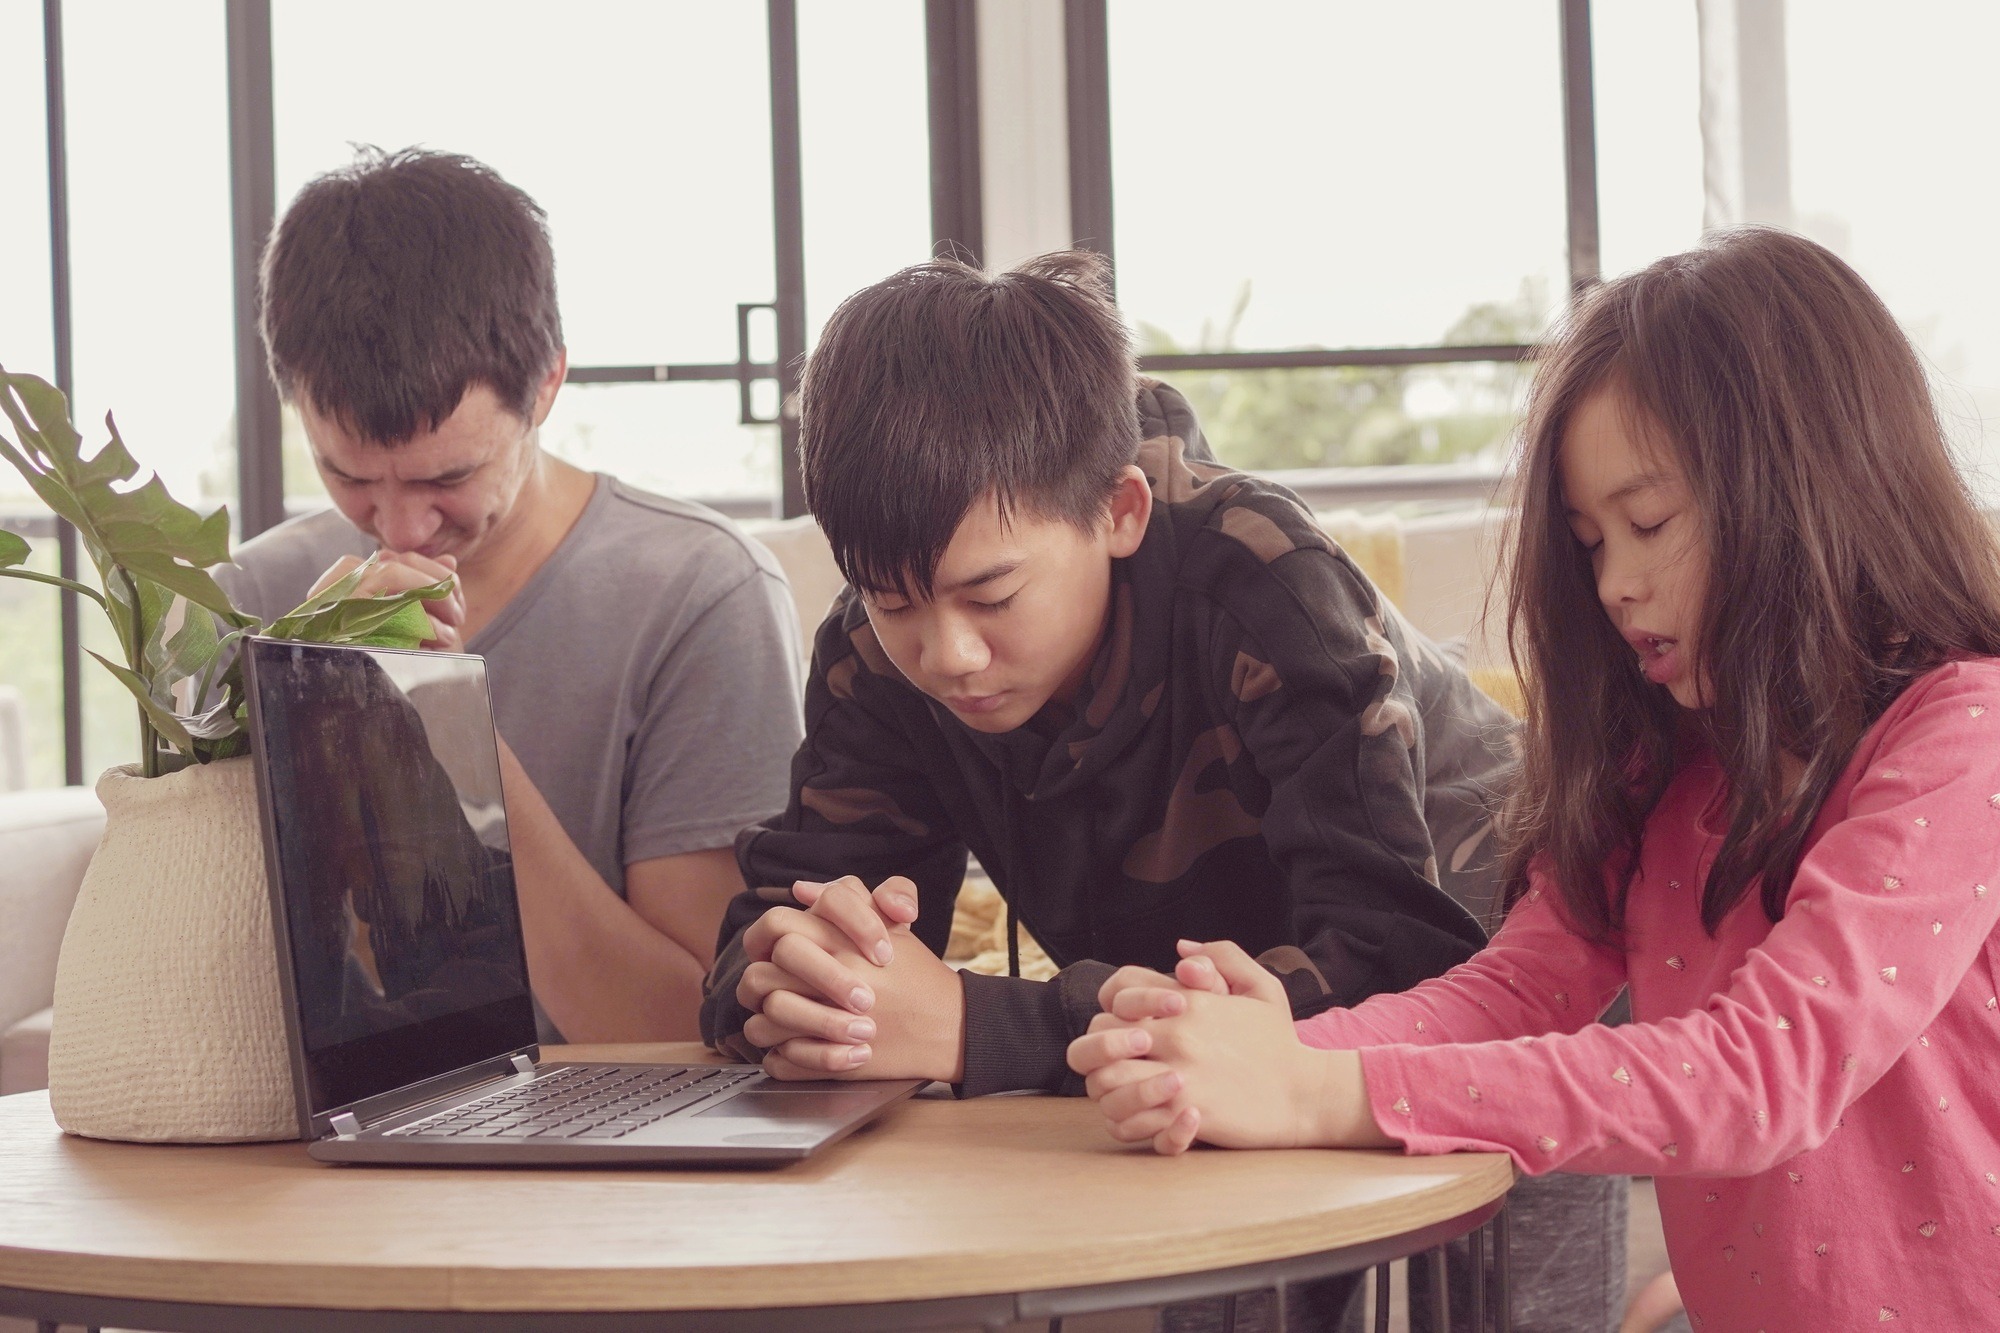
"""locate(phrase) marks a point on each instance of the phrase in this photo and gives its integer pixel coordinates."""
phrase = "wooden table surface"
(937, 1199)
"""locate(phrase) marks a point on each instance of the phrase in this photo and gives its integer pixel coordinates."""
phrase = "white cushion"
(807, 560)
(46, 838)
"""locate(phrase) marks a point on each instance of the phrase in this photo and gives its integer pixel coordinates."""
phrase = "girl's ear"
(1131, 509)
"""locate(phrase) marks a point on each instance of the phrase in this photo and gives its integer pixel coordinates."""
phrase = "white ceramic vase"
(168, 1026)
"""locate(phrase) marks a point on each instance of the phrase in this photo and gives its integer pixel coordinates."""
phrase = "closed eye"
(1647, 532)
(1000, 605)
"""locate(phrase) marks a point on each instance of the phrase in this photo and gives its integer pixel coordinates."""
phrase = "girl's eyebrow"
(1644, 481)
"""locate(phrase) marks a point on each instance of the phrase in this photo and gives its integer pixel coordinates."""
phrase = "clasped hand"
(1210, 1054)
(843, 988)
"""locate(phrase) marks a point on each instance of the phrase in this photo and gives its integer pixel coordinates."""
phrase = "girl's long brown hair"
(1846, 558)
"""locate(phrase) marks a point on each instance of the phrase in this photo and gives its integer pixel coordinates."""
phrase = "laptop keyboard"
(580, 1102)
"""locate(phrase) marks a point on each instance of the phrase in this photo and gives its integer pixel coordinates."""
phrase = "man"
(1145, 691)
(641, 651)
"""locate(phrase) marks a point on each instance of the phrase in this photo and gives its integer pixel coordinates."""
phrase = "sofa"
(46, 839)
(47, 835)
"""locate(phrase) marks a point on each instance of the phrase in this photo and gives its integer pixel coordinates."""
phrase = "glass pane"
(31, 652)
(1295, 173)
(643, 129)
(675, 439)
(1346, 416)
(1899, 182)
(150, 237)
(27, 336)
(1647, 80)
(865, 150)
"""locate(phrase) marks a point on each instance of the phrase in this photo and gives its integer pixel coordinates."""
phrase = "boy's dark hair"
(940, 385)
(396, 283)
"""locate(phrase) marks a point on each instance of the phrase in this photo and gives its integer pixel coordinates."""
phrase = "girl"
(1757, 615)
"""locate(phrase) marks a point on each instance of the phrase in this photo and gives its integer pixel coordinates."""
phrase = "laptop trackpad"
(796, 1105)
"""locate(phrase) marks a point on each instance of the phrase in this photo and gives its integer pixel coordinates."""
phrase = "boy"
(1145, 691)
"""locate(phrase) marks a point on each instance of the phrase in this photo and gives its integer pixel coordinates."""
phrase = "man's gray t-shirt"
(647, 675)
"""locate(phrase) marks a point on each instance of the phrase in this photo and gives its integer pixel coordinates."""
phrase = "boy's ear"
(1131, 509)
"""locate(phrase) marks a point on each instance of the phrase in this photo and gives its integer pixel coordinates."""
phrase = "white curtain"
(1745, 113)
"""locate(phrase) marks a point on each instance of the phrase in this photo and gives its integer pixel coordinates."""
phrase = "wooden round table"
(940, 1213)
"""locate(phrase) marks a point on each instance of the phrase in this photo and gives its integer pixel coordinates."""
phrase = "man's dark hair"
(396, 283)
(940, 385)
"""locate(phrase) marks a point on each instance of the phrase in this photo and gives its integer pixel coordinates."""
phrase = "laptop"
(405, 979)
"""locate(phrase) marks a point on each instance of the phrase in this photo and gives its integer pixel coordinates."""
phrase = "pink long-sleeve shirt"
(1820, 1098)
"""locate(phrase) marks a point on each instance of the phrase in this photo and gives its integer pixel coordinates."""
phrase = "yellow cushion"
(1376, 543)
(1502, 686)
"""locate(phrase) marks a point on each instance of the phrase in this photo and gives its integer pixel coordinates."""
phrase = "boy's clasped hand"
(1210, 1054)
(842, 987)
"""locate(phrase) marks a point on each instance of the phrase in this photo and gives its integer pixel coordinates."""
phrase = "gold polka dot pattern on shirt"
(1927, 1230)
(1820, 1249)
(1677, 963)
(1623, 1075)
(1974, 710)
(1978, 891)
(1889, 975)
(1674, 1150)
(1944, 1104)
(1819, 981)
(1687, 1069)
(1472, 1092)
(1847, 1063)
(1759, 1119)
(1401, 1106)
(1909, 1167)
(1887, 1313)
(1891, 883)
(1784, 1023)
(1546, 1144)
(1794, 1177)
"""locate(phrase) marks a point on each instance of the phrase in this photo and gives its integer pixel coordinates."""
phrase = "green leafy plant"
(175, 625)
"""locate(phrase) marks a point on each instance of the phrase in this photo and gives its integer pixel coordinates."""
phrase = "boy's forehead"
(988, 545)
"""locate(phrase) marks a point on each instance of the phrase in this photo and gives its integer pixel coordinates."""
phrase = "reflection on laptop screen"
(395, 880)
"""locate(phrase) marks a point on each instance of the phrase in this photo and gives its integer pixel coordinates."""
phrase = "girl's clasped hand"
(1211, 1052)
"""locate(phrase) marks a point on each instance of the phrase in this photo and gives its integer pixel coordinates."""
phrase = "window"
(1295, 176)
(1893, 127)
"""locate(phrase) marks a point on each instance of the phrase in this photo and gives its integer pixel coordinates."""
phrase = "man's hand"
(395, 572)
(845, 984)
(1212, 1055)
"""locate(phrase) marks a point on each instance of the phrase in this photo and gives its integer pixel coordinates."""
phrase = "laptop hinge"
(345, 1125)
(522, 1063)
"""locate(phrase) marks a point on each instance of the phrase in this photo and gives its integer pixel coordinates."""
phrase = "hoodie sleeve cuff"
(1016, 1036)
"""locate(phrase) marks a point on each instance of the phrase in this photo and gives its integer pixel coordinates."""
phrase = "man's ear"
(545, 392)
(1131, 509)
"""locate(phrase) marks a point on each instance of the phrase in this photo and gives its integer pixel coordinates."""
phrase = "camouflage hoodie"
(1263, 751)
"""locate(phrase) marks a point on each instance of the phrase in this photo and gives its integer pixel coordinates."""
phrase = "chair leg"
(1440, 1282)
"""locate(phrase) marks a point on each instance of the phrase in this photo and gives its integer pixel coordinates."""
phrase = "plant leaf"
(163, 718)
(406, 627)
(14, 549)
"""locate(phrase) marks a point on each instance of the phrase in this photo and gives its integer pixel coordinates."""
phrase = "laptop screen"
(392, 875)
